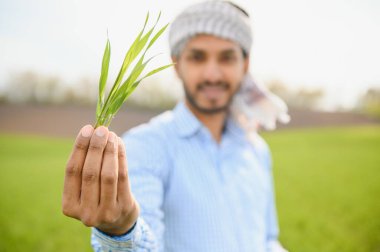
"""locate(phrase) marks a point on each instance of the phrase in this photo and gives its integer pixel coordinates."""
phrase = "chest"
(210, 184)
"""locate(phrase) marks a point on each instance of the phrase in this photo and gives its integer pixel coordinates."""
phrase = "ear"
(175, 61)
(246, 64)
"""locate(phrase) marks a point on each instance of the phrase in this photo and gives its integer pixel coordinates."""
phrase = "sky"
(328, 44)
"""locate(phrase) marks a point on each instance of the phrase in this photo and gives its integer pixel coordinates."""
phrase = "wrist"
(125, 224)
(116, 234)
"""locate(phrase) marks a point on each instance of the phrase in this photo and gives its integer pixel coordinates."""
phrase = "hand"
(96, 188)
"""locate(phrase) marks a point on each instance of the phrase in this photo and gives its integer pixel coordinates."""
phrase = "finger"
(123, 187)
(91, 169)
(109, 172)
(73, 180)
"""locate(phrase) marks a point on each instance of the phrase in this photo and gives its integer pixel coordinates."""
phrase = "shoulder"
(147, 145)
(156, 129)
(260, 143)
(149, 141)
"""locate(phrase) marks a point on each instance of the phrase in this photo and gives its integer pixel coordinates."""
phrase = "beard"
(214, 108)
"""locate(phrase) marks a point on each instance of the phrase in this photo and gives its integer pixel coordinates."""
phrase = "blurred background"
(322, 57)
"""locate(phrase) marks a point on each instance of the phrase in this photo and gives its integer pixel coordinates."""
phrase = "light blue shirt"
(196, 194)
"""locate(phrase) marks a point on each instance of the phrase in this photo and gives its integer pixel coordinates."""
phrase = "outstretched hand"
(96, 188)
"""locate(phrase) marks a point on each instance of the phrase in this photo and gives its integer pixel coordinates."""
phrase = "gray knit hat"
(219, 18)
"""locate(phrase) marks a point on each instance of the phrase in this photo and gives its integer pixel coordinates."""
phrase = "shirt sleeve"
(147, 170)
(271, 215)
(272, 230)
(273, 245)
(138, 239)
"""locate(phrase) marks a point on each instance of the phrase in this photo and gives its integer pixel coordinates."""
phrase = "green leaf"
(157, 35)
(116, 104)
(103, 77)
(120, 90)
(138, 69)
(133, 51)
(157, 70)
(136, 83)
(128, 59)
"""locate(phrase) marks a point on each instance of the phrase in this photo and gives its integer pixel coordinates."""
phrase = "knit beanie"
(219, 18)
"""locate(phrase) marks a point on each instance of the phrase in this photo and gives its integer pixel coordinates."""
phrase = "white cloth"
(255, 107)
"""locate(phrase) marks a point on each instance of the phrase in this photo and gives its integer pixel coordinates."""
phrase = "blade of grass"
(137, 48)
(111, 105)
(103, 77)
(157, 35)
(122, 90)
(127, 88)
(133, 51)
(158, 69)
(128, 59)
(136, 83)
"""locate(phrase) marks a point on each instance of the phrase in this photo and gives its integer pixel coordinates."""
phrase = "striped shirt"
(196, 194)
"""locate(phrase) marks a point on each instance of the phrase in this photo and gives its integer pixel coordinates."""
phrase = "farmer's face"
(211, 69)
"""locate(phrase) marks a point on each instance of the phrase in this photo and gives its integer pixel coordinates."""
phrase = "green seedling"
(122, 88)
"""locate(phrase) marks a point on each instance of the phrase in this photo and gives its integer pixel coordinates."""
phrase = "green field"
(327, 184)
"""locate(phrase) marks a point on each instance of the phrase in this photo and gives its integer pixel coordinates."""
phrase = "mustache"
(220, 84)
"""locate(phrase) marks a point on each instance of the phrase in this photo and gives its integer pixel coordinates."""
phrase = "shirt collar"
(187, 123)
(234, 129)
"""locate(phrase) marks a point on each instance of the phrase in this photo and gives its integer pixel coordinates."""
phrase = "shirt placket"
(213, 151)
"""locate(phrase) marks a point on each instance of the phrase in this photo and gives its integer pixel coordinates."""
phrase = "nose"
(212, 71)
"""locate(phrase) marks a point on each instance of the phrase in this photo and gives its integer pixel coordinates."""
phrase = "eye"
(197, 57)
(228, 58)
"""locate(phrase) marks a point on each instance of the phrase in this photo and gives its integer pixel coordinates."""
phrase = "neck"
(214, 122)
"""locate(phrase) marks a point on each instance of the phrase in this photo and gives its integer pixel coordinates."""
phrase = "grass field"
(327, 183)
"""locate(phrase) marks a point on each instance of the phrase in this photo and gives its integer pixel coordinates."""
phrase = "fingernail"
(101, 131)
(86, 131)
(111, 138)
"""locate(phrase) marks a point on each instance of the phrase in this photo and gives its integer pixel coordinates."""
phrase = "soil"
(65, 121)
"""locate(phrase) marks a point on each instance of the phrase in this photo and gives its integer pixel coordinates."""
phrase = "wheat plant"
(122, 88)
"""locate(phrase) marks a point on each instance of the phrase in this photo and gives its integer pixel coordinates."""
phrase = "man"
(200, 179)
